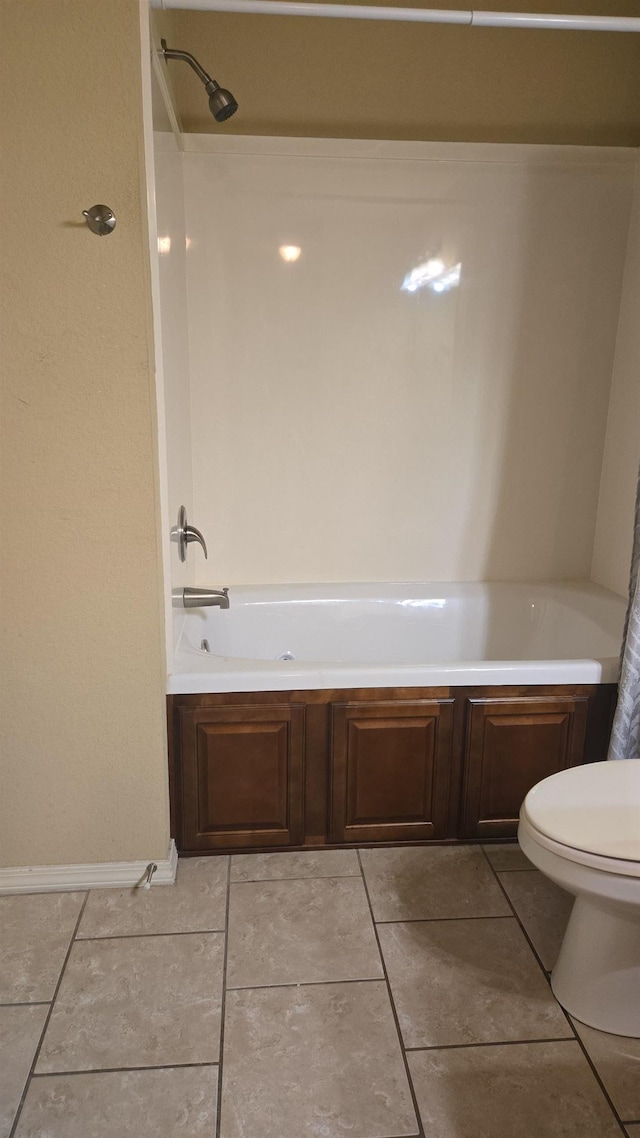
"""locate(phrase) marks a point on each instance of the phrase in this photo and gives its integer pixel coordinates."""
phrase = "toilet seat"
(590, 815)
(622, 866)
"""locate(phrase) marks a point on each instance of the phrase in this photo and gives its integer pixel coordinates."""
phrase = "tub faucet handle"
(183, 533)
(193, 534)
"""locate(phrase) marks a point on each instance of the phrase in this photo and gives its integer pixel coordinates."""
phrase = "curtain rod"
(410, 15)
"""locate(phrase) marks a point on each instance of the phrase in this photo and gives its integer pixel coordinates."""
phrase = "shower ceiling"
(341, 78)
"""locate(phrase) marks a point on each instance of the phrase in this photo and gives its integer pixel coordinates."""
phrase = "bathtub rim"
(245, 675)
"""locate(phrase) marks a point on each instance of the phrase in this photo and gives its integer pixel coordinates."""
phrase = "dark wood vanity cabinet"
(271, 770)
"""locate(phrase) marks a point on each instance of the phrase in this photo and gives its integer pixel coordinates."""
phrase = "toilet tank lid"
(595, 808)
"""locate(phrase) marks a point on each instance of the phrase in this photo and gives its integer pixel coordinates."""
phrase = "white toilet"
(581, 828)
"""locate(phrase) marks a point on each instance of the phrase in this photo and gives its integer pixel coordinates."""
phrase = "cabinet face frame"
(317, 772)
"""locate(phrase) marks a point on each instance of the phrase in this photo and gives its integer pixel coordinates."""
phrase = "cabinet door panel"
(510, 746)
(242, 776)
(390, 770)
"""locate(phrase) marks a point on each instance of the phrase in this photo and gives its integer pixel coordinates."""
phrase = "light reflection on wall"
(433, 274)
(449, 279)
(290, 253)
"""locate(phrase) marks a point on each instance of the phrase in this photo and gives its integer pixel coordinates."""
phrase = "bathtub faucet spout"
(203, 598)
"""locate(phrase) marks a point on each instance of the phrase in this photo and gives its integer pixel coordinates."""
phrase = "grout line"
(515, 914)
(307, 877)
(547, 976)
(146, 936)
(27, 1004)
(517, 869)
(414, 1100)
(223, 1005)
(491, 1043)
(115, 1070)
(66, 889)
(48, 1019)
(308, 983)
(593, 1068)
(433, 920)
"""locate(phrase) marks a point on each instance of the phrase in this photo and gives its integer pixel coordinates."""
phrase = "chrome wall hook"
(100, 219)
(183, 533)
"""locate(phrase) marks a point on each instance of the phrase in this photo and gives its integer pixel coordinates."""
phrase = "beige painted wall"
(84, 769)
(614, 530)
(357, 79)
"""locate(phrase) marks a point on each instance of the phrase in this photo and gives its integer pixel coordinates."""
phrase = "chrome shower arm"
(222, 103)
(174, 53)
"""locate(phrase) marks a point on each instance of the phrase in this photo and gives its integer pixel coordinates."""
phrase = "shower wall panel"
(401, 356)
(614, 529)
(174, 393)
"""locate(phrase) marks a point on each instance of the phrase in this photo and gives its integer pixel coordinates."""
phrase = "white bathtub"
(401, 635)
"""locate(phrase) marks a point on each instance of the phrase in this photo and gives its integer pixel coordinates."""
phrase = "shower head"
(221, 102)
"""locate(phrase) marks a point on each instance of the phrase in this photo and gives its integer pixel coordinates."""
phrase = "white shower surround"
(401, 635)
(495, 425)
(346, 430)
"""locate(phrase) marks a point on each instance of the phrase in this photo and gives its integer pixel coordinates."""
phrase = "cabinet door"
(511, 744)
(242, 771)
(390, 770)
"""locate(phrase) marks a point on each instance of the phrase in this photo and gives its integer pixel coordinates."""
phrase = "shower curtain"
(625, 736)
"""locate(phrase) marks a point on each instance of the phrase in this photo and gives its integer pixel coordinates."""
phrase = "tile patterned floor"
(387, 994)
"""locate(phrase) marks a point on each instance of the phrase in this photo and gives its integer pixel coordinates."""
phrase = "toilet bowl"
(581, 828)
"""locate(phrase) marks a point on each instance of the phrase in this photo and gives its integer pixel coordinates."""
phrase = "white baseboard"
(99, 875)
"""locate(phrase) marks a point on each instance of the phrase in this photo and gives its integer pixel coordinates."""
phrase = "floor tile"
(467, 982)
(20, 1030)
(424, 882)
(634, 1130)
(617, 1061)
(295, 932)
(508, 856)
(543, 908)
(196, 903)
(307, 863)
(137, 1002)
(166, 1103)
(321, 1061)
(532, 1090)
(35, 933)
